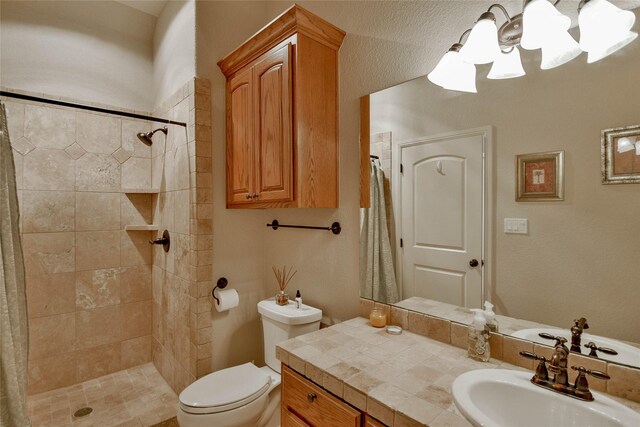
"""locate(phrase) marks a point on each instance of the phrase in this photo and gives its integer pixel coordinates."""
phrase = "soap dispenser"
(478, 345)
(492, 322)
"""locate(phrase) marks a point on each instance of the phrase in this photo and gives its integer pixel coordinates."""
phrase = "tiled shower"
(100, 298)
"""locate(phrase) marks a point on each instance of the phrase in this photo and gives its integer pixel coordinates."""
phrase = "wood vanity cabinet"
(282, 115)
(305, 404)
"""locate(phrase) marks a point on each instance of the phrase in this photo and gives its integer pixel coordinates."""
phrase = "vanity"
(352, 374)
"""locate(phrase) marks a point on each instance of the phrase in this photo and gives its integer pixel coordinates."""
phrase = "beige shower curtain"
(13, 303)
(377, 275)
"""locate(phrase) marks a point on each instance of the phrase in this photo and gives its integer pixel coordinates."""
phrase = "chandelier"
(604, 29)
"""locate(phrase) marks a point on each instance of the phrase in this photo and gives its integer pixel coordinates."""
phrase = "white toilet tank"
(282, 322)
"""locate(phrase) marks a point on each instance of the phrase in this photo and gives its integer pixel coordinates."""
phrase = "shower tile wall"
(182, 278)
(88, 281)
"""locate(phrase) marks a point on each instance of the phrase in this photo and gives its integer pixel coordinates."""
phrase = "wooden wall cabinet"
(282, 115)
(306, 404)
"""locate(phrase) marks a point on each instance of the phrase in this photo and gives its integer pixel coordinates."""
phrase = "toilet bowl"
(245, 395)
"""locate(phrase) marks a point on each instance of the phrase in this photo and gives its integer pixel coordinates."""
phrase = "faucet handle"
(581, 385)
(541, 370)
(594, 349)
(595, 374)
(559, 340)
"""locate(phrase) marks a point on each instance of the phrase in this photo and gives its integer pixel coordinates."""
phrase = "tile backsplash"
(624, 380)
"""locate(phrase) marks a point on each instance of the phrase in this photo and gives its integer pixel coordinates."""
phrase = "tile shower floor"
(135, 397)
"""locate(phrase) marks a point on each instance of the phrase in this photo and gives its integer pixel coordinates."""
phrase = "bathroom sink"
(627, 354)
(506, 398)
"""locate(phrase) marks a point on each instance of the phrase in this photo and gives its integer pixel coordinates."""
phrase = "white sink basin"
(505, 398)
(626, 354)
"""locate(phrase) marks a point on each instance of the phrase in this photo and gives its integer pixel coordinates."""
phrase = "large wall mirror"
(579, 256)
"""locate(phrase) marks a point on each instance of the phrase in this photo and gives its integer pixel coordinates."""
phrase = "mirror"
(579, 256)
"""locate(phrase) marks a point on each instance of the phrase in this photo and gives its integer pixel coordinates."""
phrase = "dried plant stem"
(283, 276)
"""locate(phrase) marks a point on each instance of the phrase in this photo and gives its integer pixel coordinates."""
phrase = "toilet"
(246, 395)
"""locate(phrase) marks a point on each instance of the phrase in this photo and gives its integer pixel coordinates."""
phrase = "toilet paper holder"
(221, 284)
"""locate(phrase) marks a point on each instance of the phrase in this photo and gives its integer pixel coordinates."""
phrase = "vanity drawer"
(302, 400)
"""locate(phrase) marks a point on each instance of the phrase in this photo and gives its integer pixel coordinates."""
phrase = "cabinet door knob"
(311, 397)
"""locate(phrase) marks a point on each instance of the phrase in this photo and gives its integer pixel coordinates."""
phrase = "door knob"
(311, 397)
(473, 263)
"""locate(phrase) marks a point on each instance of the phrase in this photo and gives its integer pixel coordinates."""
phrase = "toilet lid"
(225, 389)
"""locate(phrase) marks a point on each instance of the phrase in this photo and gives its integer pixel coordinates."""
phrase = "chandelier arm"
(581, 4)
(499, 6)
(463, 34)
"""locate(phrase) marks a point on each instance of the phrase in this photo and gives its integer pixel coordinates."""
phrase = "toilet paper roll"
(228, 299)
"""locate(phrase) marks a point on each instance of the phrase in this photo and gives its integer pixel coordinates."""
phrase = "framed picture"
(620, 154)
(540, 176)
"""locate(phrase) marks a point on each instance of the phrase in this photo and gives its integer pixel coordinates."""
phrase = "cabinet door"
(240, 158)
(273, 133)
(313, 405)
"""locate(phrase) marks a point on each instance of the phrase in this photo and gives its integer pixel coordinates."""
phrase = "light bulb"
(539, 19)
(453, 72)
(598, 53)
(507, 65)
(561, 49)
(482, 45)
(604, 29)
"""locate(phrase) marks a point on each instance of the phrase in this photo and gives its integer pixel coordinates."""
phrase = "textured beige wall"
(97, 51)
(88, 281)
(238, 247)
(174, 49)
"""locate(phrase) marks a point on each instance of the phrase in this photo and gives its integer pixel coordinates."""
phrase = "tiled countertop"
(402, 380)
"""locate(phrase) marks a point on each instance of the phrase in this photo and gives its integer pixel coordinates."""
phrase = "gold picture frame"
(620, 155)
(540, 177)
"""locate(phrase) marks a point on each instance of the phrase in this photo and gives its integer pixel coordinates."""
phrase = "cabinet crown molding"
(295, 20)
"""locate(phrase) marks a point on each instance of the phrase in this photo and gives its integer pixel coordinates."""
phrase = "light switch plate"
(516, 226)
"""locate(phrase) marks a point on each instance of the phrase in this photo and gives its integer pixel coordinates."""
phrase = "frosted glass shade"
(454, 73)
(604, 29)
(540, 20)
(507, 66)
(597, 53)
(482, 45)
(560, 50)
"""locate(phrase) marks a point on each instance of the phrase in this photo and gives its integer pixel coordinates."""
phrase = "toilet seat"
(225, 390)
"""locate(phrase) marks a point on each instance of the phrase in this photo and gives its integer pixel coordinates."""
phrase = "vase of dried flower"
(283, 277)
(282, 298)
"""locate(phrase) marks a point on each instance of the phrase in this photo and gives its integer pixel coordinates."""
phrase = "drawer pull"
(311, 397)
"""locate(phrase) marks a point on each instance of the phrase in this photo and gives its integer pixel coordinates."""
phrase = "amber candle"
(378, 318)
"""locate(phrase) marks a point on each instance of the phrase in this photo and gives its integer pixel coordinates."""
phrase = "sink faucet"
(576, 333)
(558, 363)
(558, 366)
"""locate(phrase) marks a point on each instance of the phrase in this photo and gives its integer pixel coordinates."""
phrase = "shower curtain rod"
(90, 108)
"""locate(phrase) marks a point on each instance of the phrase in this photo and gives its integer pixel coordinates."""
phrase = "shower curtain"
(14, 339)
(377, 275)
